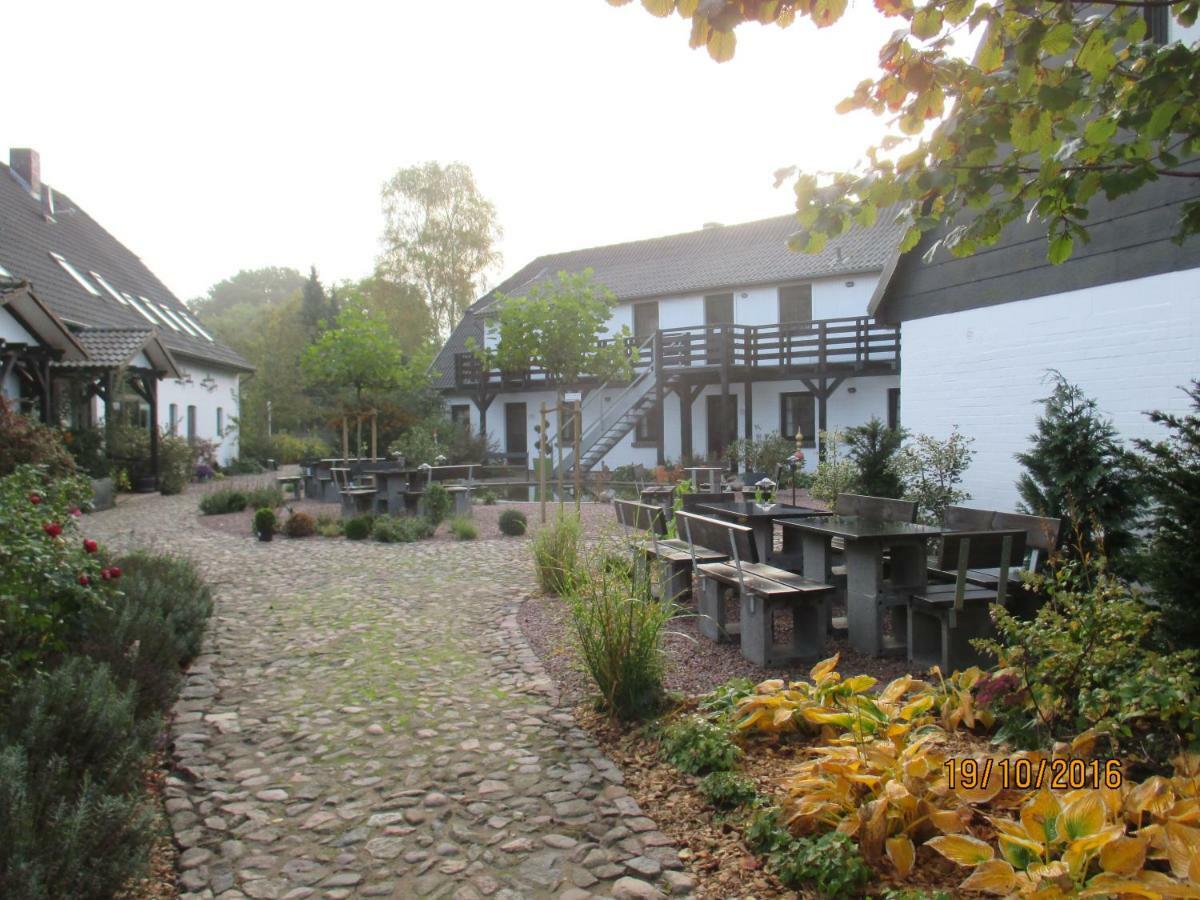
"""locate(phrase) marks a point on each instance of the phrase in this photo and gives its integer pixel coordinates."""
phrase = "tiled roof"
(112, 346)
(27, 239)
(711, 259)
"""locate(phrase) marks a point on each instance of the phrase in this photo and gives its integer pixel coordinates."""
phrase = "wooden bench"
(356, 499)
(944, 618)
(645, 527)
(763, 591)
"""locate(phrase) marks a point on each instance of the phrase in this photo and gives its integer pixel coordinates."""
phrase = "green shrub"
(618, 627)
(764, 835)
(329, 525)
(437, 503)
(264, 496)
(722, 701)
(406, 530)
(464, 529)
(1171, 473)
(697, 746)
(244, 466)
(87, 447)
(62, 836)
(176, 464)
(933, 471)
(286, 448)
(226, 500)
(725, 790)
(264, 521)
(488, 497)
(556, 554)
(836, 472)
(24, 441)
(1089, 659)
(830, 863)
(358, 528)
(513, 523)
(299, 525)
(152, 628)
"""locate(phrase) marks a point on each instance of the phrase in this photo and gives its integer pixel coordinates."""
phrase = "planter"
(102, 493)
(265, 535)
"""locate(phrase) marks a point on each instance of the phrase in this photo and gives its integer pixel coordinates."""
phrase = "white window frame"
(108, 287)
(74, 273)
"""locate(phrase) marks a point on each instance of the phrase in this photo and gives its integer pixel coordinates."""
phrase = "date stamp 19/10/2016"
(1061, 774)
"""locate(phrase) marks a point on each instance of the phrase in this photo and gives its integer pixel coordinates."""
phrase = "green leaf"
(1099, 131)
(1055, 97)
(927, 22)
(1160, 120)
(911, 238)
(1058, 39)
(1060, 249)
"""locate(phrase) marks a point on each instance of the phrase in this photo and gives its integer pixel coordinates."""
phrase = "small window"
(797, 412)
(174, 317)
(220, 421)
(647, 429)
(795, 303)
(195, 325)
(116, 295)
(173, 418)
(75, 273)
(191, 423)
(5, 273)
(645, 321)
(144, 312)
(893, 412)
(161, 313)
(460, 414)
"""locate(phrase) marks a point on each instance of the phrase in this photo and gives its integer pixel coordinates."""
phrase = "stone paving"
(368, 721)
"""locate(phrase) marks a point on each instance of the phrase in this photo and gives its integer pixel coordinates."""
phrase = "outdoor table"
(867, 592)
(291, 481)
(357, 501)
(659, 495)
(710, 475)
(392, 485)
(760, 517)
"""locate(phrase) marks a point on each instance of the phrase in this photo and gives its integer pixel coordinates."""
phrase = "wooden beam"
(687, 397)
(150, 383)
(747, 388)
(660, 404)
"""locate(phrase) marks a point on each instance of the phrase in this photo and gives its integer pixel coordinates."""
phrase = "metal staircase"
(605, 423)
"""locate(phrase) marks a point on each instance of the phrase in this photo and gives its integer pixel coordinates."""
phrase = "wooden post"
(150, 382)
(345, 440)
(659, 412)
(543, 434)
(686, 398)
(577, 418)
(374, 435)
(559, 409)
(358, 436)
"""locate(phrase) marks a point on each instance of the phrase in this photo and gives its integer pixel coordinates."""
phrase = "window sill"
(645, 445)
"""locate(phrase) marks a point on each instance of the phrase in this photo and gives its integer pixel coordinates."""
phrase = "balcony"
(850, 346)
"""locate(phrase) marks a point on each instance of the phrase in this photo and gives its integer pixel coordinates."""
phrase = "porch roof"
(114, 348)
(35, 317)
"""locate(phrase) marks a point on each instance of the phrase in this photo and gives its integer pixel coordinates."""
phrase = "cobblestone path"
(367, 720)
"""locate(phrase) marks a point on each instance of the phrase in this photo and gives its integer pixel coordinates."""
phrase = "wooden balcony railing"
(825, 345)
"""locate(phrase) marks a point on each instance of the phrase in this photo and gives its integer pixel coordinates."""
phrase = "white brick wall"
(1130, 345)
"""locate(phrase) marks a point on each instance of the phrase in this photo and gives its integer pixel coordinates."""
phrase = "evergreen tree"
(873, 449)
(1171, 469)
(315, 306)
(1076, 470)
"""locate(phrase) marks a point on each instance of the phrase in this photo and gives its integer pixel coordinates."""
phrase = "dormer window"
(196, 325)
(4, 273)
(74, 273)
(145, 313)
(170, 314)
(160, 313)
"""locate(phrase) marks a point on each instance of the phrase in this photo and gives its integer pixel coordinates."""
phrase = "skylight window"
(145, 313)
(75, 273)
(116, 295)
(170, 314)
(159, 313)
(4, 272)
(196, 325)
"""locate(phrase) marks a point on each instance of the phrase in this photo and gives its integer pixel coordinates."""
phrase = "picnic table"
(705, 475)
(291, 481)
(868, 594)
(760, 518)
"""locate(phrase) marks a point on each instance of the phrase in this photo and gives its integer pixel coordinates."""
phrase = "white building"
(1121, 319)
(130, 346)
(739, 337)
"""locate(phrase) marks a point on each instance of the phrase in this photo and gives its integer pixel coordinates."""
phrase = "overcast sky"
(216, 136)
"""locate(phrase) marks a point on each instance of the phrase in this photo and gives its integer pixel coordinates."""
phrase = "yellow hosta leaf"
(1049, 871)
(783, 715)
(1124, 856)
(1094, 842)
(902, 853)
(947, 821)
(1154, 797)
(1187, 765)
(1020, 850)
(895, 689)
(1082, 816)
(829, 717)
(962, 849)
(916, 707)
(980, 794)
(1107, 885)
(1084, 743)
(770, 686)
(824, 667)
(874, 829)
(992, 877)
(1183, 845)
(859, 683)
(1040, 816)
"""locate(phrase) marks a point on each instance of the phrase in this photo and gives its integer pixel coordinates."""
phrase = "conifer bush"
(437, 503)
(226, 500)
(513, 522)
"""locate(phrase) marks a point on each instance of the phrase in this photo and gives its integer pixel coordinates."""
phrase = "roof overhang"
(37, 318)
(160, 357)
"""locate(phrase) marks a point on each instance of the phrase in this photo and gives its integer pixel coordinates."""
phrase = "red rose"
(52, 528)
(114, 571)
(84, 580)
(106, 574)
(35, 499)
(76, 512)
(90, 546)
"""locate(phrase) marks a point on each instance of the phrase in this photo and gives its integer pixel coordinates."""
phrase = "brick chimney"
(27, 164)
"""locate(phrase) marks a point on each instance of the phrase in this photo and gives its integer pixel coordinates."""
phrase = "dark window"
(893, 419)
(191, 425)
(1158, 23)
(647, 429)
(645, 320)
(460, 414)
(173, 418)
(795, 303)
(515, 435)
(798, 412)
(220, 421)
(718, 309)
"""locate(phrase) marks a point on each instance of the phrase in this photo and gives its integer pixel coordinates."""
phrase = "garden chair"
(646, 531)
(763, 591)
(944, 618)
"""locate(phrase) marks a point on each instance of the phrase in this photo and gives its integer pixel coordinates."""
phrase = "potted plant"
(264, 524)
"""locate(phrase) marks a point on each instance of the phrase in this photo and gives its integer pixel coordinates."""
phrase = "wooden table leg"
(909, 576)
